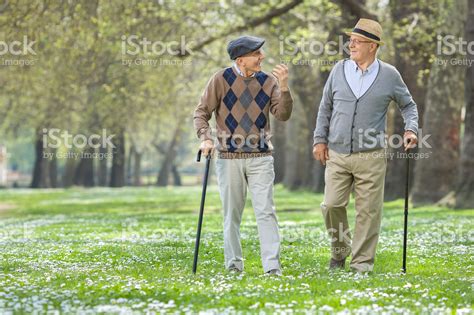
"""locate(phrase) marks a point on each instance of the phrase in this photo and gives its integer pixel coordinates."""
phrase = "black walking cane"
(201, 211)
(405, 225)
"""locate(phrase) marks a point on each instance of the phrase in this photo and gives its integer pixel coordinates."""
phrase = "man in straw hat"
(349, 139)
(242, 97)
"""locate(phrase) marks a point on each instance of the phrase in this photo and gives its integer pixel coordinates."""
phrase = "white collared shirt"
(240, 72)
(360, 81)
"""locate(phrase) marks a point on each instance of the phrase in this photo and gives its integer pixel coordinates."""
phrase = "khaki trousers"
(233, 177)
(366, 172)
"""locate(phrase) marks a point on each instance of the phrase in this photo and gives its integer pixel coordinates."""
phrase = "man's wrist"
(319, 140)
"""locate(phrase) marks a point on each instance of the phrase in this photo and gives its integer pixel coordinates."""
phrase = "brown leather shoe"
(337, 264)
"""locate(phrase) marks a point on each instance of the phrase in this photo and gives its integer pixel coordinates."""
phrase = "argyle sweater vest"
(241, 106)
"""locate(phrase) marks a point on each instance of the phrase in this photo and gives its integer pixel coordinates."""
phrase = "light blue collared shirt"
(240, 72)
(360, 81)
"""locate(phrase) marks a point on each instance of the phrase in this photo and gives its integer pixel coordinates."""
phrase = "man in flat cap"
(242, 97)
(349, 139)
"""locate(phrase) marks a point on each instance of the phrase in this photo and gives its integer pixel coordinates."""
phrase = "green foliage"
(78, 81)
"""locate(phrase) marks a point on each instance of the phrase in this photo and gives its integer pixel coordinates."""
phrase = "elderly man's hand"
(321, 152)
(281, 73)
(207, 147)
(409, 140)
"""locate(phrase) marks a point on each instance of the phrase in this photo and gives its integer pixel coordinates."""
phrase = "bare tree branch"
(359, 9)
(249, 24)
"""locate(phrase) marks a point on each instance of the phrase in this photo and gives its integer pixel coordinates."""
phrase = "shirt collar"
(240, 72)
(373, 66)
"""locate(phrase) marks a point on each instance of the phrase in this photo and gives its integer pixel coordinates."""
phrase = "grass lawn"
(130, 250)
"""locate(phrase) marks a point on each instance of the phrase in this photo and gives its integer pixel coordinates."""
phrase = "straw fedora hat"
(369, 29)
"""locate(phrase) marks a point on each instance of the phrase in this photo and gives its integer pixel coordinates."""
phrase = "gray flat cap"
(244, 45)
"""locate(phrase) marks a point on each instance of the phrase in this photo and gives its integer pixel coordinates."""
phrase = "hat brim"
(258, 46)
(255, 48)
(381, 43)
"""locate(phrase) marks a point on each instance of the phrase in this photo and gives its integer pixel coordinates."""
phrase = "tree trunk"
(88, 177)
(170, 155)
(137, 159)
(436, 175)
(279, 143)
(299, 152)
(176, 176)
(102, 167)
(465, 189)
(117, 172)
(36, 178)
(53, 169)
(131, 152)
(68, 175)
(40, 178)
(403, 10)
(78, 178)
(297, 146)
(84, 173)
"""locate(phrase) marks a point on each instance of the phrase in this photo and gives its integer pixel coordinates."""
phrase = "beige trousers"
(233, 177)
(366, 172)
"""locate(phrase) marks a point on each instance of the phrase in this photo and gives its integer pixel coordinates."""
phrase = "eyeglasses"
(357, 41)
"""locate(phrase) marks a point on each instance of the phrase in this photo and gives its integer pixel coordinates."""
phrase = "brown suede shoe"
(337, 264)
